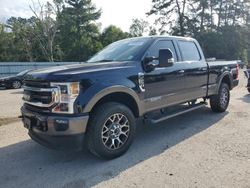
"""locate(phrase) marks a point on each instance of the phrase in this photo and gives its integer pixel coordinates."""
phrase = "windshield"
(22, 73)
(125, 50)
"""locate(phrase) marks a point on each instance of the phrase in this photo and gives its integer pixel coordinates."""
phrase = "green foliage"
(171, 13)
(112, 34)
(66, 30)
(23, 45)
(220, 26)
(138, 27)
(79, 37)
(152, 31)
(225, 44)
(63, 30)
(5, 44)
(244, 56)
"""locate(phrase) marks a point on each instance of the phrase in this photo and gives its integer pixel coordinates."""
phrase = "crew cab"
(95, 104)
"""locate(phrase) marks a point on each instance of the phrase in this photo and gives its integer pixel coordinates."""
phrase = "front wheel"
(220, 102)
(16, 84)
(111, 130)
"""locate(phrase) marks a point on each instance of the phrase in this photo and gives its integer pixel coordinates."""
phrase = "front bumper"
(56, 132)
(5, 84)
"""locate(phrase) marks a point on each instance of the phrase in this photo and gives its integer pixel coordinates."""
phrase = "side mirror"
(166, 58)
(148, 64)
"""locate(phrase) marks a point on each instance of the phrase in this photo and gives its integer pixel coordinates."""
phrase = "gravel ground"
(199, 149)
(10, 102)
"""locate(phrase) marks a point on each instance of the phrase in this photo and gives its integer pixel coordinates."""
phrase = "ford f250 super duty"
(96, 103)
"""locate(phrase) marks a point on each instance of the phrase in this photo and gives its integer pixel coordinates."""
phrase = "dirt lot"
(199, 149)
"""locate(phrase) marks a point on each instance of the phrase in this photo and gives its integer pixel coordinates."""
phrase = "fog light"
(61, 124)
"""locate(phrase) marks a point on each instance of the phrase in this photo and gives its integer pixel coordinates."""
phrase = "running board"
(176, 113)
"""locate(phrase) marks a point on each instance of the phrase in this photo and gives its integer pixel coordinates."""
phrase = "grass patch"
(8, 120)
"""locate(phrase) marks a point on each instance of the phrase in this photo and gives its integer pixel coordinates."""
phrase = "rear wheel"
(111, 130)
(220, 102)
(16, 84)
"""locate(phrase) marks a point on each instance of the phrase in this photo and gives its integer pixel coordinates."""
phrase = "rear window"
(189, 51)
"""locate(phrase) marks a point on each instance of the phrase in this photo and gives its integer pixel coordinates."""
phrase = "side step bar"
(183, 111)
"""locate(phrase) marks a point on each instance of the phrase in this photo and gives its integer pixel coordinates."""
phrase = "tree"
(168, 10)
(221, 26)
(79, 35)
(65, 30)
(138, 27)
(228, 43)
(112, 34)
(200, 15)
(46, 26)
(152, 31)
(232, 12)
(6, 52)
(23, 40)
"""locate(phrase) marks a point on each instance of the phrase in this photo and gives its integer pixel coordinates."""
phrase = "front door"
(163, 86)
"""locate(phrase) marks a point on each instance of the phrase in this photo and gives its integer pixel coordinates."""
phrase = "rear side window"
(189, 51)
(162, 44)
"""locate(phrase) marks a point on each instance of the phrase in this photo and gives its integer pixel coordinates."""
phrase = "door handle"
(181, 72)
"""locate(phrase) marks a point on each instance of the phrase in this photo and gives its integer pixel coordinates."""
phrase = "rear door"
(195, 69)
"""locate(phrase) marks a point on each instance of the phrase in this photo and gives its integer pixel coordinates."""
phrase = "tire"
(248, 90)
(16, 84)
(220, 102)
(111, 130)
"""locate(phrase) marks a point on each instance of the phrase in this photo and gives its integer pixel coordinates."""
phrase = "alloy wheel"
(16, 84)
(115, 131)
(224, 97)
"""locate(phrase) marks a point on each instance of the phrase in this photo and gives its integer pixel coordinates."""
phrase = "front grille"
(37, 84)
(40, 94)
(34, 96)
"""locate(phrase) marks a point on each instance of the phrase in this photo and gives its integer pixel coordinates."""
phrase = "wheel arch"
(225, 78)
(119, 94)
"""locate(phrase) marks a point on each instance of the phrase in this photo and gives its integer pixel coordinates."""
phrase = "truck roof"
(162, 36)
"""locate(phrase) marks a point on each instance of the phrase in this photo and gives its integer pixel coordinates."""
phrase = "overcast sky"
(116, 12)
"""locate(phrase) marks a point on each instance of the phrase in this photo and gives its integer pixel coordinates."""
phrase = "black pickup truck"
(96, 103)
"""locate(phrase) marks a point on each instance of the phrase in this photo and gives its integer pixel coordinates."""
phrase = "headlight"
(68, 94)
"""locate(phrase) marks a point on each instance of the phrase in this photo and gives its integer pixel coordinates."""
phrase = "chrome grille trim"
(39, 89)
(55, 95)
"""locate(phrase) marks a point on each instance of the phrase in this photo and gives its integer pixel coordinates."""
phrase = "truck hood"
(76, 71)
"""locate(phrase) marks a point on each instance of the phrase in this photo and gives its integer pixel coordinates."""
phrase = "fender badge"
(141, 81)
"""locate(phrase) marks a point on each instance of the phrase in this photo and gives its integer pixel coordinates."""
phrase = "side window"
(162, 44)
(189, 51)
